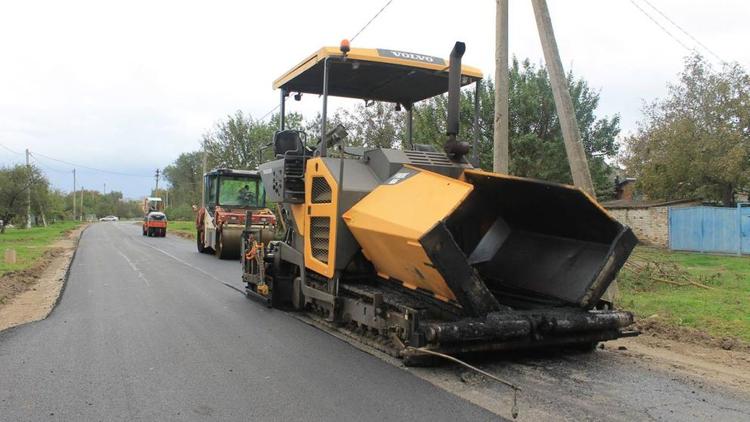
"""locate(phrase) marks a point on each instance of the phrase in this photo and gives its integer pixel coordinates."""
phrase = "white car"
(109, 218)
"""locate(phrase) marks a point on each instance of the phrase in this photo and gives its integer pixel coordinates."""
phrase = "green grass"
(30, 244)
(722, 311)
(181, 226)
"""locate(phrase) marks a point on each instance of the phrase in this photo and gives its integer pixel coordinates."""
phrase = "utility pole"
(28, 191)
(579, 167)
(500, 158)
(74, 194)
(82, 190)
(156, 191)
(104, 192)
(205, 164)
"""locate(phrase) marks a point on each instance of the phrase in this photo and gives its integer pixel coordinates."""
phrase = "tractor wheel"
(143, 230)
(163, 232)
(199, 242)
(219, 249)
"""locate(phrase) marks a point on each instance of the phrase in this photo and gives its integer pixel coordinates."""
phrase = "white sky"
(128, 86)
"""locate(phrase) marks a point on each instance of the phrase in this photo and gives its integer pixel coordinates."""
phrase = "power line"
(666, 31)
(684, 31)
(388, 3)
(14, 152)
(270, 111)
(372, 19)
(48, 167)
(91, 168)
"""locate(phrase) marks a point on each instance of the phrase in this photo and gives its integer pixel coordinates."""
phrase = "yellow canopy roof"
(374, 74)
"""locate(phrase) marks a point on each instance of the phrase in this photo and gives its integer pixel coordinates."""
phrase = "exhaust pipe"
(455, 149)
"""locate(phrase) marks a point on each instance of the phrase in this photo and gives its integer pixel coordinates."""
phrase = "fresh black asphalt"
(148, 329)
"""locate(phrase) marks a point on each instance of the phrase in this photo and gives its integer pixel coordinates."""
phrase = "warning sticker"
(400, 176)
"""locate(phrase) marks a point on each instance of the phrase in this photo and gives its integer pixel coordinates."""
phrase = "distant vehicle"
(110, 218)
(155, 224)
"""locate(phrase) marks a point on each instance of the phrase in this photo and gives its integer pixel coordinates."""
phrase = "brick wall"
(650, 225)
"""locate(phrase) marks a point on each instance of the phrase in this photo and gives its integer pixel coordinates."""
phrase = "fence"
(710, 229)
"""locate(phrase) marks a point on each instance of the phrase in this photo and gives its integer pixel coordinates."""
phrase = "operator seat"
(287, 141)
(288, 145)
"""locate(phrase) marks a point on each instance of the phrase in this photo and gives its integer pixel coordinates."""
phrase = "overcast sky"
(128, 86)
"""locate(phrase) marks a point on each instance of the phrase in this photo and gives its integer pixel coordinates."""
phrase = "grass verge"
(184, 228)
(31, 244)
(710, 293)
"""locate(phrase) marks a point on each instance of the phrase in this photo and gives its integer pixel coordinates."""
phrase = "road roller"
(415, 249)
(227, 195)
(154, 219)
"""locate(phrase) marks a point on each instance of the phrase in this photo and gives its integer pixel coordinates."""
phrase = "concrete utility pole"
(156, 191)
(205, 164)
(28, 192)
(579, 167)
(500, 158)
(74, 194)
(82, 190)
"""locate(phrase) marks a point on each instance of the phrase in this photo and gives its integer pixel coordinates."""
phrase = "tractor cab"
(233, 189)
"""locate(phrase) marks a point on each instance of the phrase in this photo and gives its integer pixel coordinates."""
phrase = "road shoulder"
(41, 295)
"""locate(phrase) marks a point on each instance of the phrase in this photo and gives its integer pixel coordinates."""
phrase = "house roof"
(628, 203)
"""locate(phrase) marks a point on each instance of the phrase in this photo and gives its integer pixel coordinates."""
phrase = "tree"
(240, 141)
(695, 143)
(236, 141)
(375, 125)
(184, 177)
(14, 185)
(536, 145)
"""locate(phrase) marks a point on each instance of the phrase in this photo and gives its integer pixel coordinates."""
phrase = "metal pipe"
(454, 89)
(324, 114)
(282, 117)
(475, 144)
(409, 126)
(453, 148)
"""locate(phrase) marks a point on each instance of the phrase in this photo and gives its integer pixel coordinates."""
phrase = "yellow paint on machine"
(389, 222)
(298, 213)
(316, 168)
(367, 55)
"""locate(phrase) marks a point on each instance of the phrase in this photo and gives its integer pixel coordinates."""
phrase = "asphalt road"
(148, 329)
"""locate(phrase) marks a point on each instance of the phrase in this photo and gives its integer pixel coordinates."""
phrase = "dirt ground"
(29, 295)
(641, 378)
(714, 365)
(189, 236)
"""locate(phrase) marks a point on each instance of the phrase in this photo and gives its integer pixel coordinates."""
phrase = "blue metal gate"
(710, 229)
(744, 212)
